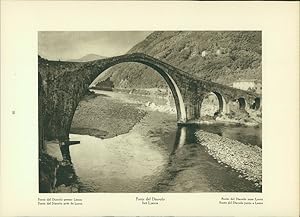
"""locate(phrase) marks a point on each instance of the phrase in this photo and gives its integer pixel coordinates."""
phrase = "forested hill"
(219, 56)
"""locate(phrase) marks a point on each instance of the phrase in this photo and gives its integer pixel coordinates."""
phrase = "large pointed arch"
(158, 67)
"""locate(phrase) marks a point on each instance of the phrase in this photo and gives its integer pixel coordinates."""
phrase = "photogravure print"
(133, 111)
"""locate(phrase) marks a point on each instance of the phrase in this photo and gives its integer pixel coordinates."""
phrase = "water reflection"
(185, 134)
(245, 134)
(118, 164)
(66, 174)
(180, 138)
(191, 169)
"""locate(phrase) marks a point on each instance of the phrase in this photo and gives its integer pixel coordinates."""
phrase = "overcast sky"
(72, 45)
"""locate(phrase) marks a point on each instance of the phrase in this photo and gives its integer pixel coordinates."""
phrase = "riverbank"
(106, 114)
(209, 107)
(246, 159)
(105, 117)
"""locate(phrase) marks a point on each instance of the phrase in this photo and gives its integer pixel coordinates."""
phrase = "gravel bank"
(105, 117)
(246, 159)
(108, 114)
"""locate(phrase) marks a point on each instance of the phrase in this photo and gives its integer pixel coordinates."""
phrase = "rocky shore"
(246, 159)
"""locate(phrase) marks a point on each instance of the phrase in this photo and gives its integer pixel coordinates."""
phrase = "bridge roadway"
(63, 84)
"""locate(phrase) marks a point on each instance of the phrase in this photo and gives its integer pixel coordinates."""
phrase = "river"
(145, 159)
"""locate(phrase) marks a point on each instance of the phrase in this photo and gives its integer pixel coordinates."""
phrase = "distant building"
(204, 53)
(258, 87)
(248, 84)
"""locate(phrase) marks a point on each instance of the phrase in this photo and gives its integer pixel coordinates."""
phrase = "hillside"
(217, 56)
(88, 57)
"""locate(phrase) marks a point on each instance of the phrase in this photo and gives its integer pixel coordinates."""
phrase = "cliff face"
(218, 56)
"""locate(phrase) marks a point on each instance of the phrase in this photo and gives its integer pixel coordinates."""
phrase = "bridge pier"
(192, 112)
(226, 109)
(65, 149)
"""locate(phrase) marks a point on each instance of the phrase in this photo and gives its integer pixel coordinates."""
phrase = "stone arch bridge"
(63, 84)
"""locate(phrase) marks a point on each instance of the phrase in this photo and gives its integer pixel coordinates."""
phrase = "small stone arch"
(242, 103)
(222, 102)
(222, 106)
(257, 104)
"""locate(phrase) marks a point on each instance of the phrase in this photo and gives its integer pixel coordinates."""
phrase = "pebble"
(246, 159)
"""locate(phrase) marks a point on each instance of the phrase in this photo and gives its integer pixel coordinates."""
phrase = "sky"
(54, 45)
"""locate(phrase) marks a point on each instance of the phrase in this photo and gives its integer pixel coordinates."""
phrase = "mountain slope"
(218, 56)
(88, 57)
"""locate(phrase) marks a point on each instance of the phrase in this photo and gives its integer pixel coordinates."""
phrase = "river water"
(146, 159)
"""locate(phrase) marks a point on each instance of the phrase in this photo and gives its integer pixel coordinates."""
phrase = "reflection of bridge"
(62, 85)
